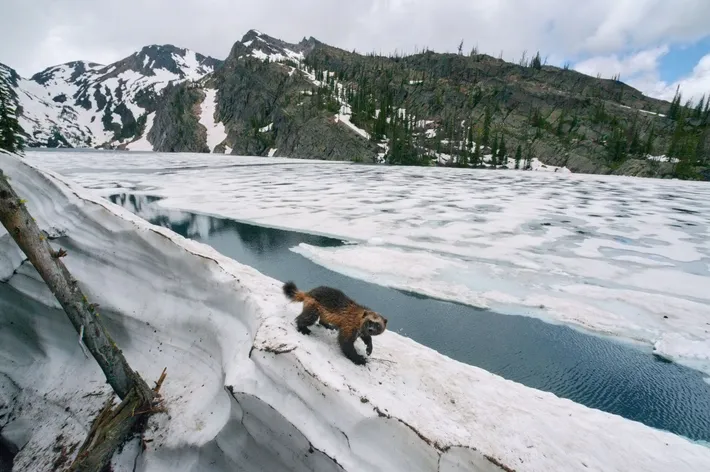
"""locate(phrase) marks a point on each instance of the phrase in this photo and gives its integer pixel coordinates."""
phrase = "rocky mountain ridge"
(83, 104)
(311, 100)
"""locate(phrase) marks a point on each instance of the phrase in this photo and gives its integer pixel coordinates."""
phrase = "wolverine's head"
(373, 323)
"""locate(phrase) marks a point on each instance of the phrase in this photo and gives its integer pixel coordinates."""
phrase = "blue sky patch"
(681, 59)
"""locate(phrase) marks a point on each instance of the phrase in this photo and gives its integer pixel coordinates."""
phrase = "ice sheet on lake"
(623, 256)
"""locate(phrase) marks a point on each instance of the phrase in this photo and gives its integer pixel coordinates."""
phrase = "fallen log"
(113, 426)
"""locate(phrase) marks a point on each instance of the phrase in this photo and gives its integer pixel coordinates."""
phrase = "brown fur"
(334, 310)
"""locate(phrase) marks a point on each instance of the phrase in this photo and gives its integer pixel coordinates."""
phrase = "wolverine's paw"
(359, 360)
(327, 326)
(369, 350)
(304, 330)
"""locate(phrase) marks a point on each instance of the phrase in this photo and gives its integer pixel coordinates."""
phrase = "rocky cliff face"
(267, 104)
(176, 127)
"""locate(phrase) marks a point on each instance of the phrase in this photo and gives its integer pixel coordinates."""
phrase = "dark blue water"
(590, 370)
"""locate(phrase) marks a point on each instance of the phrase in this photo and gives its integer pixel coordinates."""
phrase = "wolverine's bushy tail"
(292, 292)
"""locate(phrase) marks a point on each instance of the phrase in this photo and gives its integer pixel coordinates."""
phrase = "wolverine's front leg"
(308, 316)
(347, 344)
(367, 339)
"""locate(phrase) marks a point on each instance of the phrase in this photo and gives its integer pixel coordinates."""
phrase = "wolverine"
(335, 310)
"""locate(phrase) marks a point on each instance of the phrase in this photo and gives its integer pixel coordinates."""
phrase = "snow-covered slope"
(82, 104)
(244, 390)
(216, 133)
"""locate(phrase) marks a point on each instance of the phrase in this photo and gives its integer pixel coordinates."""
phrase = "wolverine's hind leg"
(308, 316)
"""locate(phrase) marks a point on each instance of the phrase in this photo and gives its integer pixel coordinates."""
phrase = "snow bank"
(216, 132)
(535, 164)
(662, 158)
(244, 390)
(142, 143)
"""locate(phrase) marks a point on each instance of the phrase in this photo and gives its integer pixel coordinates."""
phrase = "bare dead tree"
(114, 425)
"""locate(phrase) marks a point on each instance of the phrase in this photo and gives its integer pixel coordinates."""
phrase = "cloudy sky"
(654, 44)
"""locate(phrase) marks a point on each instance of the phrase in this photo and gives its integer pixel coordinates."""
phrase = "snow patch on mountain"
(265, 47)
(216, 132)
(81, 104)
(142, 143)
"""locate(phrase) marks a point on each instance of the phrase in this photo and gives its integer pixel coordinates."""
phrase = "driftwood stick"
(159, 383)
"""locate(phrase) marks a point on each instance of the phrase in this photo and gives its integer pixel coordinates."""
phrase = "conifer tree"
(698, 113)
(616, 146)
(518, 156)
(560, 124)
(675, 105)
(528, 157)
(536, 62)
(477, 153)
(502, 152)
(675, 147)
(494, 147)
(648, 148)
(469, 145)
(10, 129)
(485, 138)
(633, 140)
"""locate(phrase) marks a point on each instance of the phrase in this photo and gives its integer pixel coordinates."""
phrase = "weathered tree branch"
(113, 426)
(33, 242)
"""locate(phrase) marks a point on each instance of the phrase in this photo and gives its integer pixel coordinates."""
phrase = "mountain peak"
(157, 50)
(67, 72)
(251, 35)
(9, 75)
(184, 63)
(82, 103)
(262, 46)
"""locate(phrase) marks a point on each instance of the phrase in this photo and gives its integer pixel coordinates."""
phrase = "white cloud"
(638, 24)
(47, 32)
(642, 62)
(696, 84)
(641, 70)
